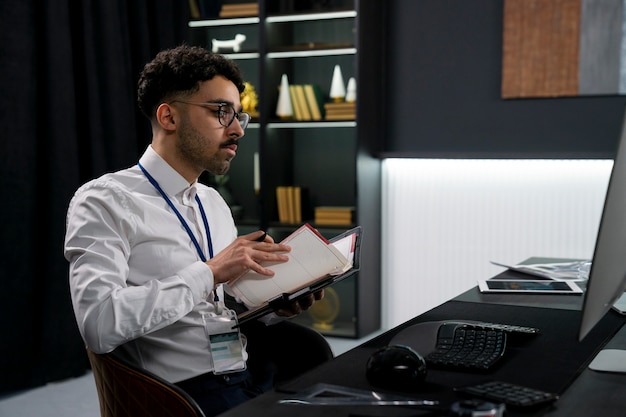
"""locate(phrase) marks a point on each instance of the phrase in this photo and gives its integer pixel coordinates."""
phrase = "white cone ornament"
(351, 90)
(337, 87)
(284, 108)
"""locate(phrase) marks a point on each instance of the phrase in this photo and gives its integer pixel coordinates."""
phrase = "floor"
(78, 397)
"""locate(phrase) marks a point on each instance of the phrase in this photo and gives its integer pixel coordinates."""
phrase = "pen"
(262, 238)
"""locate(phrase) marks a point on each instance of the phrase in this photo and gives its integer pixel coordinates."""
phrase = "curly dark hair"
(180, 70)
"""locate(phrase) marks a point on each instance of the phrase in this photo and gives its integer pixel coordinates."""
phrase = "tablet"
(529, 286)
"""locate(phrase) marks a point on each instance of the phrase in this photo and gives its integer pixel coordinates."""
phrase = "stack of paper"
(573, 270)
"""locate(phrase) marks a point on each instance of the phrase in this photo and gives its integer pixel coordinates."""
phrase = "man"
(149, 247)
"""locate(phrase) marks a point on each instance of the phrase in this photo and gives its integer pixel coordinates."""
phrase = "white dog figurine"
(234, 44)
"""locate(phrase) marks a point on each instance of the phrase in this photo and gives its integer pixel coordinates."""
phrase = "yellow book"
(281, 202)
(341, 116)
(311, 99)
(193, 9)
(344, 105)
(304, 107)
(291, 218)
(320, 216)
(297, 203)
(333, 222)
(297, 111)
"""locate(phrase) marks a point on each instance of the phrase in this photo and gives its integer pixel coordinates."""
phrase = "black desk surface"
(553, 361)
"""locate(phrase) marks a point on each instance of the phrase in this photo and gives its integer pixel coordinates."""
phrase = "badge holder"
(225, 342)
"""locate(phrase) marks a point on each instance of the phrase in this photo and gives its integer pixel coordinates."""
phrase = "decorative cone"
(337, 87)
(351, 90)
(284, 109)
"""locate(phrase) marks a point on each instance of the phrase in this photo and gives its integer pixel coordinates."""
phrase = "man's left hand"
(301, 305)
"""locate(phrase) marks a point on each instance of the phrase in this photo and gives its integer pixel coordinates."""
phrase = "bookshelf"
(333, 162)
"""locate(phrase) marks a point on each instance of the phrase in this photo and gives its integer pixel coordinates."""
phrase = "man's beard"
(192, 146)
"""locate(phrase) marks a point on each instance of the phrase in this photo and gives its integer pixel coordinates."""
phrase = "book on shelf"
(307, 101)
(315, 100)
(314, 263)
(281, 202)
(293, 203)
(295, 103)
(340, 105)
(297, 204)
(341, 116)
(302, 102)
(340, 111)
(239, 10)
(194, 9)
(334, 215)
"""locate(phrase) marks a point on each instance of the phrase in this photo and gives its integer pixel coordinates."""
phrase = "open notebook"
(314, 263)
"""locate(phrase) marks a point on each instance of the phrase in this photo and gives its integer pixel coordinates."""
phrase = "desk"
(561, 364)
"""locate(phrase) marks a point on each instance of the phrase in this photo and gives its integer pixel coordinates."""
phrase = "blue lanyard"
(180, 217)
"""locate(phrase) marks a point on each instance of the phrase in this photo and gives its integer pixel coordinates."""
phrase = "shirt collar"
(168, 178)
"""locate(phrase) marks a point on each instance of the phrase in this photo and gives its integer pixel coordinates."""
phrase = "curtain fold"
(68, 77)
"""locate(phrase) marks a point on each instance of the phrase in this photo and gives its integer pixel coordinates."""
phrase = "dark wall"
(444, 92)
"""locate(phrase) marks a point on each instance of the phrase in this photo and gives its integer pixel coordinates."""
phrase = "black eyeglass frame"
(220, 113)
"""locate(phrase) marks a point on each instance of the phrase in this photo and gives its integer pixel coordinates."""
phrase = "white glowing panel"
(444, 220)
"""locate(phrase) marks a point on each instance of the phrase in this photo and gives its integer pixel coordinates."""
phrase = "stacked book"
(239, 10)
(292, 204)
(307, 101)
(334, 215)
(340, 111)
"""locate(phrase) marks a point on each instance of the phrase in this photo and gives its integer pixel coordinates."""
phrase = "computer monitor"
(607, 277)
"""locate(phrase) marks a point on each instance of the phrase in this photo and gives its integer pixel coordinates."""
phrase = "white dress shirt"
(136, 278)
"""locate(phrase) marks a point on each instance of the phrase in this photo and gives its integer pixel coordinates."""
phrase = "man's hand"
(246, 253)
(301, 305)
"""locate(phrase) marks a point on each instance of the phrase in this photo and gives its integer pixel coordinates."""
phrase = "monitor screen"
(607, 277)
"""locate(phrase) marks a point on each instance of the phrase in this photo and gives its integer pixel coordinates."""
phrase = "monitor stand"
(612, 360)
(609, 360)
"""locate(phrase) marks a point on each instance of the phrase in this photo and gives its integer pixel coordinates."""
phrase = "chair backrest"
(292, 347)
(125, 390)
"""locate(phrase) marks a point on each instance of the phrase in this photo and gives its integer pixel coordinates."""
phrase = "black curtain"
(68, 113)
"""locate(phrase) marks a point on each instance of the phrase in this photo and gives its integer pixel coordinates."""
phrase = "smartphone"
(529, 286)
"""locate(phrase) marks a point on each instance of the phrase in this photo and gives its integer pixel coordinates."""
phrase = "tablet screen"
(529, 286)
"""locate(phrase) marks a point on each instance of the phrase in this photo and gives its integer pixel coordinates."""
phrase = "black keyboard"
(510, 394)
(467, 346)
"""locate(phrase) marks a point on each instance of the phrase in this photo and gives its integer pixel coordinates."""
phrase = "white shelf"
(243, 55)
(311, 125)
(311, 16)
(309, 53)
(223, 22)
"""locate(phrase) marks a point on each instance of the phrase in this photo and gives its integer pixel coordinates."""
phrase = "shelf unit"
(334, 160)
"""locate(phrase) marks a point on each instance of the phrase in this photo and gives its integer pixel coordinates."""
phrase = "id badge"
(225, 344)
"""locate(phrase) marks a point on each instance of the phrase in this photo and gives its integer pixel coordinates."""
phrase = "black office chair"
(290, 347)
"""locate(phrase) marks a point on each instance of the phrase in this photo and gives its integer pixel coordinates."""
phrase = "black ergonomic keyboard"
(473, 345)
(467, 346)
(509, 394)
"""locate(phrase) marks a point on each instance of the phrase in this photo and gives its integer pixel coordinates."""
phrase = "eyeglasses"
(226, 113)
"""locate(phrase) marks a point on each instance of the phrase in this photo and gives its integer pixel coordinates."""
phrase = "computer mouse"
(396, 367)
